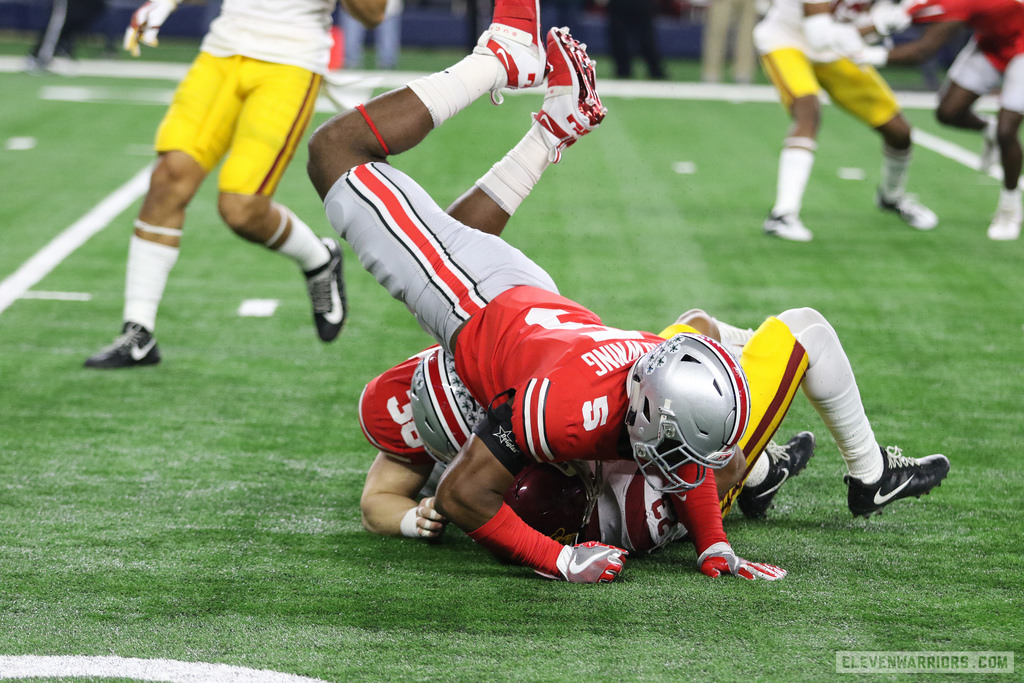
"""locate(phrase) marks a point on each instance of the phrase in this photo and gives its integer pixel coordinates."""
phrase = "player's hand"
(591, 562)
(146, 23)
(889, 18)
(423, 521)
(847, 41)
(720, 558)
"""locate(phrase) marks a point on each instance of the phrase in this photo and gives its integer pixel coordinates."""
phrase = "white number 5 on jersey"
(595, 413)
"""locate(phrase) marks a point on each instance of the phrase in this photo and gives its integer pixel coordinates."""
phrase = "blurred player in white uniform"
(247, 99)
(798, 43)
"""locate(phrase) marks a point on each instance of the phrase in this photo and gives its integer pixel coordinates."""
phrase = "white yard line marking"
(953, 151)
(164, 670)
(57, 296)
(258, 308)
(78, 233)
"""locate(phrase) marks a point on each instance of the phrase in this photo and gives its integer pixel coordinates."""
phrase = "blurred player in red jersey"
(798, 41)
(994, 56)
(558, 384)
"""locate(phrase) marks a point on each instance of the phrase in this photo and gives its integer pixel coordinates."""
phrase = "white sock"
(509, 181)
(759, 471)
(149, 266)
(448, 92)
(832, 389)
(302, 245)
(795, 164)
(1010, 199)
(733, 338)
(895, 163)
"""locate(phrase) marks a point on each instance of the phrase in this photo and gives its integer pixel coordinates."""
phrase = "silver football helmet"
(442, 408)
(688, 402)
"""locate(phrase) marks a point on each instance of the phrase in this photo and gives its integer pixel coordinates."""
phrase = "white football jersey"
(783, 26)
(295, 32)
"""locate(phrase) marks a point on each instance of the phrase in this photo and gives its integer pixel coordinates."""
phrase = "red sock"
(519, 14)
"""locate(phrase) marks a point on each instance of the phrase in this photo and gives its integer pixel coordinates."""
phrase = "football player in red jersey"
(994, 56)
(558, 384)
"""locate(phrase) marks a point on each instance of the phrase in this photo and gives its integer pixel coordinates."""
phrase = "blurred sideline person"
(797, 40)
(993, 57)
(558, 385)
(68, 20)
(631, 30)
(387, 38)
(247, 99)
(723, 17)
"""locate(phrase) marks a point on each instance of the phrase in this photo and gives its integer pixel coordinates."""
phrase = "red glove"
(589, 562)
(720, 558)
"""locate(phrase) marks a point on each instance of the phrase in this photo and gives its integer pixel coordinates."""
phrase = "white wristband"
(408, 524)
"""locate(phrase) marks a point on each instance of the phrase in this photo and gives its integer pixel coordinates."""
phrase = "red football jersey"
(568, 370)
(385, 413)
(998, 24)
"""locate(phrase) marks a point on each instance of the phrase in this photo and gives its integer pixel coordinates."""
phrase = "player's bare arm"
(471, 490)
(931, 41)
(390, 505)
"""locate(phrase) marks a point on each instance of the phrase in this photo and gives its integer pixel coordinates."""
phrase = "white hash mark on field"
(78, 233)
(258, 308)
(162, 670)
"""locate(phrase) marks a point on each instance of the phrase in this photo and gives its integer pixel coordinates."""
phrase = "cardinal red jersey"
(385, 413)
(567, 369)
(998, 24)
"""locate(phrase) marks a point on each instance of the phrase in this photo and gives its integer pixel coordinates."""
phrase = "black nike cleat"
(135, 346)
(902, 477)
(326, 286)
(783, 462)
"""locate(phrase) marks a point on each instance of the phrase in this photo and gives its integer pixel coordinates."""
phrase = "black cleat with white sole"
(326, 286)
(783, 462)
(902, 477)
(135, 346)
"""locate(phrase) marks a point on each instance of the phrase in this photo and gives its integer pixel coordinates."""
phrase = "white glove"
(146, 23)
(719, 558)
(889, 18)
(875, 55)
(423, 521)
(847, 41)
(589, 562)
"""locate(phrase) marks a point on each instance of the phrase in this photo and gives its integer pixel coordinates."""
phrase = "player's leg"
(508, 54)
(794, 78)
(189, 146)
(279, 102)
(876, 476)
(572, 108)
(864, 94)
(1006, 224)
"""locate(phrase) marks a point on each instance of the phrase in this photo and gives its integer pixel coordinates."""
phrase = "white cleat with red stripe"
(572, 107)
(520, 54)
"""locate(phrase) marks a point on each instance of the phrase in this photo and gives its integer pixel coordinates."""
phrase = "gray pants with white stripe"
(442, 270)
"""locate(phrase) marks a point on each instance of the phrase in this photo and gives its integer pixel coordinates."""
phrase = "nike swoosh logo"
(785, 476)
(579, 568)
(881, 500)
(336, 313)
(504, 56)
(140, 352)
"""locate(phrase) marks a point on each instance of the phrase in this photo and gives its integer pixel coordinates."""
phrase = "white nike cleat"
(787, 227)
(519, 52)
(326, 286)
(907, 207)
(902, 477)
(135, 346)
(1006, 223)
(572, 108)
